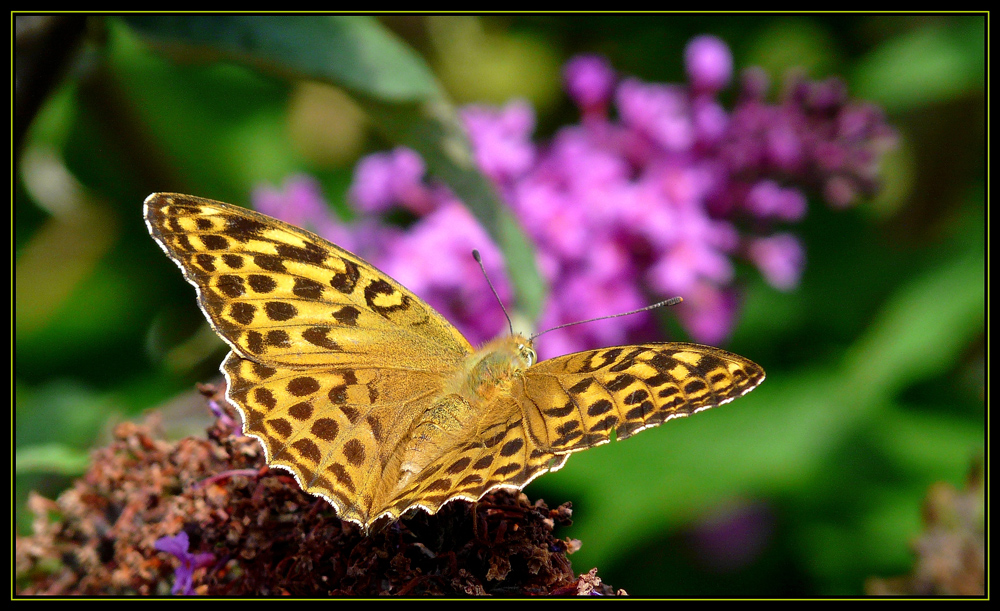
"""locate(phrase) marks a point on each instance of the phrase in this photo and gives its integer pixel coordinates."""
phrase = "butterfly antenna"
(479, 260)
(667, 302)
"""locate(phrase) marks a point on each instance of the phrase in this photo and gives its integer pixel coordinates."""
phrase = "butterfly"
(375, 402)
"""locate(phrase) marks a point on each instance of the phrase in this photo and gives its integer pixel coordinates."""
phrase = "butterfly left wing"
(337, 432)
(332, 360)
(283, 296)
(573, 402)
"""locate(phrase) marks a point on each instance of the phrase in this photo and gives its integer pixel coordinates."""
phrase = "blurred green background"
(808, 486)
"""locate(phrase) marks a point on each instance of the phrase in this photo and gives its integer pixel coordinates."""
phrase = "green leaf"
(921, 67)
(51, 458)
(351, 52)
(386, 78)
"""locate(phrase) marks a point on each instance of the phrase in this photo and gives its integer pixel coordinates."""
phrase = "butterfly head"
(503, 356)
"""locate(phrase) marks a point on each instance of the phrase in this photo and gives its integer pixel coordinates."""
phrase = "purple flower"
(178, 546)
(551, 217)
(590, 81)
(780, 258)
(501, 139)
(300, 203)
(710, 121)
(385, 180)
(579, 298)
(235, 427)
(768, 200)
(654, 202)
(709, 64)
(660, 112)
(708, 312)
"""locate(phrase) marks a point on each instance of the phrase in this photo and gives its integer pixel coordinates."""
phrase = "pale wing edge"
(431, 509)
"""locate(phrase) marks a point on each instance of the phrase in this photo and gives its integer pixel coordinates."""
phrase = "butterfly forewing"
(573, 402)
(282, 295)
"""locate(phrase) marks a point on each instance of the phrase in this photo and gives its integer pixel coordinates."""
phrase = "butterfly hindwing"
(500, 454)
(338, 430)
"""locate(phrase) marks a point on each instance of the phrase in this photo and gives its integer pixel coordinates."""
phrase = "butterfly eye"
(528, 354)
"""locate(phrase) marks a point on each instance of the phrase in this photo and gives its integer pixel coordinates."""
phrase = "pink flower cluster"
(655, 193)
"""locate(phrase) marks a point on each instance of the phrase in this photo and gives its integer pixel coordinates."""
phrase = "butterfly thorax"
(493, 368)
(460, 414)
